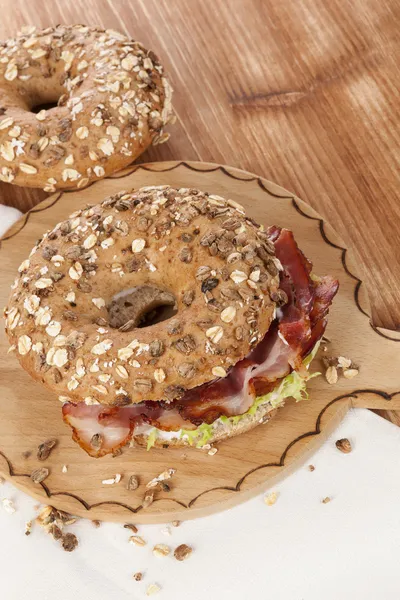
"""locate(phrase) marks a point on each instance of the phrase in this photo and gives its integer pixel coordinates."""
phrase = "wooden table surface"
(303, 92)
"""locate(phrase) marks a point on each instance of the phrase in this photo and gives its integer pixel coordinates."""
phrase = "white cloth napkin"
(8, 216)
(297, 549)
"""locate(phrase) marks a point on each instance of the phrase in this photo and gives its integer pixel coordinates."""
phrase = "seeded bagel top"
(68, 316)
(111, 101)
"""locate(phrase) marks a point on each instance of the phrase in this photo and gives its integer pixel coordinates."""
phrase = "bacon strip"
(296, 330)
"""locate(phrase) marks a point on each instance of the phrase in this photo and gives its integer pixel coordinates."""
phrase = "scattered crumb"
(175, 523)
(212, 451)
(161, 550)
(96, 523)
(326, 500)
(113, 480)
(131, 527)
(153, 588)
(138, 576)
(8, 505)
(166, 531)
(69, 542)
(271, 498)
(206, 447)
(137, 540)
(311, 468)
(64, 469)
(344, 445)
(182, 552)
(28, 527)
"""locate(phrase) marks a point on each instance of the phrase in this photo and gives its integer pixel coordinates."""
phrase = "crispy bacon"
(300, 323)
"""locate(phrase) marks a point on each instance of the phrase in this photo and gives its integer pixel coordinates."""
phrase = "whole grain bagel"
(112, 101)
(78, 311)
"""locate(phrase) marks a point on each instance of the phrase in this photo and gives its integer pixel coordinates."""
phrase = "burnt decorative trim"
(236, 488)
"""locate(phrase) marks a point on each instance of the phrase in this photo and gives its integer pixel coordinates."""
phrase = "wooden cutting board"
(243, 466)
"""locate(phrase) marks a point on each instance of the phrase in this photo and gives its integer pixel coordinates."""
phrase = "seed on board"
(113, 480)
(39, 475)
(326, 500)
(133, 483)
(45, 449)
(137, 540)
(131, 527)
(138, 576)
(152, 589)
(343, 362)
(344, 445)
(331, 375)
(162, 477)
(350, 373)
(161, 550)
(311, 468)
(271, 498)
(182, 552)
(148, 498)
(212, 451)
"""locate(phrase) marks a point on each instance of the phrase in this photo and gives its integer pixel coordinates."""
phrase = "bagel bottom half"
(222, 431)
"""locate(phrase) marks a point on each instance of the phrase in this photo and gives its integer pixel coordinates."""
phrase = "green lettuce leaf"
(151, 440)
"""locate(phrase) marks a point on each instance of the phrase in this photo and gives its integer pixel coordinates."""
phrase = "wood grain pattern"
(244, 465)
(304, 93)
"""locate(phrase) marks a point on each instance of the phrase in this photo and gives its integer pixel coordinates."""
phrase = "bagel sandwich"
(167, 317)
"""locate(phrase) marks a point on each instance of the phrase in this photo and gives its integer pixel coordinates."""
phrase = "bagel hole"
(157, 315)
(44, 106)
(141, 307)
